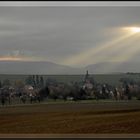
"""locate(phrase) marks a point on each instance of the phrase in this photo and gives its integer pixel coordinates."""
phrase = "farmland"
(89, 117)
(112, 79)
(104, 116)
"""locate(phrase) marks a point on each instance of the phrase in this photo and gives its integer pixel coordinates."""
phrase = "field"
(69, 117)
(112, 79)
(83, 117)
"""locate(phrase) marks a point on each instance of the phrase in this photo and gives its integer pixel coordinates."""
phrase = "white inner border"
(70, 3)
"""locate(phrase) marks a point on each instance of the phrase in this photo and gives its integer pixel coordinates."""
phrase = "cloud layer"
(62, 34)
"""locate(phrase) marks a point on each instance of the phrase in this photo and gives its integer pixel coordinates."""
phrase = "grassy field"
(106, 117)
(112, 79)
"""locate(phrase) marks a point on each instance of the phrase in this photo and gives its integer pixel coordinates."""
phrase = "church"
(87, 82)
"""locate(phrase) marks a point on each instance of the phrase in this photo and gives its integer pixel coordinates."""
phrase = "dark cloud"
(56, 33)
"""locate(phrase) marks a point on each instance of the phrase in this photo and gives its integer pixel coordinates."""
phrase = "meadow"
(82, 117)
(112, 79)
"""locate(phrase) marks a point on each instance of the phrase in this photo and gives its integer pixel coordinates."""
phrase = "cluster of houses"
(88, 90)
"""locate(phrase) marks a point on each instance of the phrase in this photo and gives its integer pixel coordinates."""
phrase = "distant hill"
(43, 67)
(22, 67)
(114, 67)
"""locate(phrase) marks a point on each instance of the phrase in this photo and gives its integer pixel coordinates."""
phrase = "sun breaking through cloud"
(97, 54)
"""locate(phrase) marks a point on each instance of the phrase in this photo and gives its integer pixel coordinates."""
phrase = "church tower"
(86, 76)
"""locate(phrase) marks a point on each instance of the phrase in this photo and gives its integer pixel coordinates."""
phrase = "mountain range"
(44, 67)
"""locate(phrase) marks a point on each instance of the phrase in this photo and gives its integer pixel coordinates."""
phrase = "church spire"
(86, 76)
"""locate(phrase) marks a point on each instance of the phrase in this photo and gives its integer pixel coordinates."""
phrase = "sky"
(73, 36)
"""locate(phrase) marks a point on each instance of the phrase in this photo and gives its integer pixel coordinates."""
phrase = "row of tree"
(35, 81)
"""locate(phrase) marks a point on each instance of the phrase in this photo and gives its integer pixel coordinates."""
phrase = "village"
(36, 90)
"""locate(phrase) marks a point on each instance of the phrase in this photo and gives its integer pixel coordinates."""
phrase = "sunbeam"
(86, 55)
(119, 50)
(133, 29)
(125, 54)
